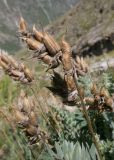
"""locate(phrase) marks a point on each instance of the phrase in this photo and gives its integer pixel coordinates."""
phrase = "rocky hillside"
(40, 12)
(89, 26)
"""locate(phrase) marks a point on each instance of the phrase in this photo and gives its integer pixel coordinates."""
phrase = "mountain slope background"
(40, 12)
(87, 21)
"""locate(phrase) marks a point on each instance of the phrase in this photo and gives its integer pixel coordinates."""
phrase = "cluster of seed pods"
(17, 71)
(100, 100)
(26, 117)
(53, 54)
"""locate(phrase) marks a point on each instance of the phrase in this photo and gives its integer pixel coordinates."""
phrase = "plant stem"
(88, 120)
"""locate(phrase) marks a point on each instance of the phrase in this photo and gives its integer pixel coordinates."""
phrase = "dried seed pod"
(21, 118)
(16, 73)
(4, 57)
(109, 102)
(80, 65)
(50, 44)
(31, 130)
(70, 82)
(13, 62)
(66, 55)
(4, 65)
(26, 105)
(94, 89)
(34, 45)
(104, 92)
(78, 59)
(45, 58)
(33, 119)
(27, 72)
(22, 26)
(37, 35)
(85, 66)
(13, 69)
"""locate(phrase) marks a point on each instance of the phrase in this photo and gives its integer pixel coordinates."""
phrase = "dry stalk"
(88, 120)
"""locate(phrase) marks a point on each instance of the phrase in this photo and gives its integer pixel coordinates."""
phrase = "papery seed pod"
(77, 65)
(45, 58)
(37, 35)
(26, 105)
(16, 73)
(78, 59)
(20, 117)
(70, 82)
(33, 119)
(66, 55)
(8, 59)
(85, 66)
(109, 102)
(50, 44)
(22, 26)
(80, 64)
(94, 89)
(34, 45)
(31, 130)
(13, 62)
(4, 65)
(28, 74)
(22, 94)
(104, 92)
(4, 57)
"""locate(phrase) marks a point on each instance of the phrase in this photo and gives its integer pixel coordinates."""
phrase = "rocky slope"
(40, 12)
(89, 26)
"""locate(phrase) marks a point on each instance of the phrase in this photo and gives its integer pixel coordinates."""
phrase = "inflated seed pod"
(16, 73)
(51, 45)
(4, 57)
(37, 34)
(4, 65)
(45, 58)
(21, 118)
(70, 82)
(31, 130)
(104, 92)
(33, 118)
(66, 55)
(26, 71)
(13, 62)
(22, 26)
(34, 45)
(94, 89)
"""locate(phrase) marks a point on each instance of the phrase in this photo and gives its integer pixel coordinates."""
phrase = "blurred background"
(88, 26)
(39, 12)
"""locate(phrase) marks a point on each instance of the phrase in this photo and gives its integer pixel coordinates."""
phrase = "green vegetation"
(74, 140)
